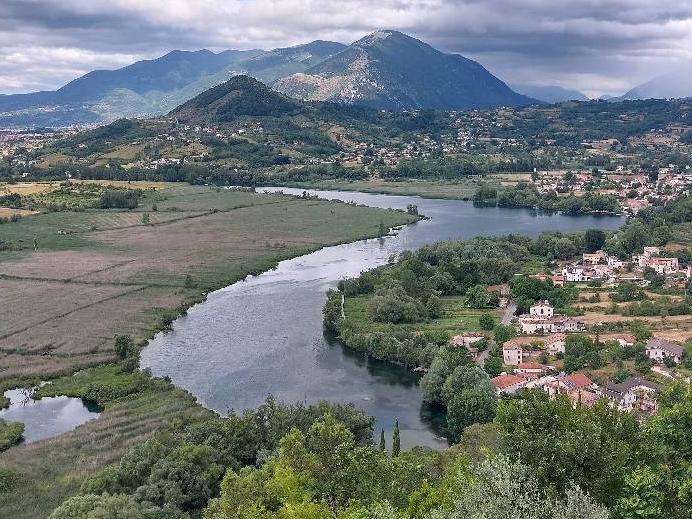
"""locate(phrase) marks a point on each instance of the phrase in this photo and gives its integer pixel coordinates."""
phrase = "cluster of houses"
(543, 319)
(633, 394)
(600, 266)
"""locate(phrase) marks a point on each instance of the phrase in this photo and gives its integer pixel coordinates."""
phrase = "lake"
(264, 335)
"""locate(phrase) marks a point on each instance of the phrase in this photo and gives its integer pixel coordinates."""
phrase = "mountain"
(549, 94)
(676, 84)
(239, 96)
(146, 87)
(278, 63)
(388, 69)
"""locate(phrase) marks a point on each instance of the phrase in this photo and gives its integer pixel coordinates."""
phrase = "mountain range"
(672, 85)
(386, 69)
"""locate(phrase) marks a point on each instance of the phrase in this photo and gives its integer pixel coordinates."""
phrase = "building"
(512, 353)
(541, 309)
(532, 368)
(660, 349)
(555, 343)
(543, 319)
(663, 265)
(507, 383)
(594, 258)
(633, 394)
(568, 383)
(623, 339)
(467, 338)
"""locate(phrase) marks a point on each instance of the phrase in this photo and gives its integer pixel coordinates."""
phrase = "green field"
(74, 280)
(457, 317)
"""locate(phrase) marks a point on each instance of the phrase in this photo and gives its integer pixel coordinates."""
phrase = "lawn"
(457, 317)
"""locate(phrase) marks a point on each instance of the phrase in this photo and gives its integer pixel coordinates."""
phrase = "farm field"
(75, 279)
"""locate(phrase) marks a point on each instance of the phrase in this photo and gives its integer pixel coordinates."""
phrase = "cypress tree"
(396, 439)
(382, 443)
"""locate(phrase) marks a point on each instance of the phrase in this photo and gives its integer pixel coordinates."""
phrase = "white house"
(542, 309)
(555, 343)
(660, 349)
(512, 353)
(635, 393)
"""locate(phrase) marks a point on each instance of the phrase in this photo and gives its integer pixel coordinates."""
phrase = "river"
(264, 335)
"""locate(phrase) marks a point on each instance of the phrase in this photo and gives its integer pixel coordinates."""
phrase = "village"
(535, 357)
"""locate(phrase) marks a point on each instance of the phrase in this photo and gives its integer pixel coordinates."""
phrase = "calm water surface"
(47, 417)
(264, 335)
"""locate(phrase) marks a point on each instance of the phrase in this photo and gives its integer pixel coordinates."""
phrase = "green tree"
(396, 440)
(486, 322)
(642, 495)
(478, 296)
(470, 406)
(493, 365)
(594, 239)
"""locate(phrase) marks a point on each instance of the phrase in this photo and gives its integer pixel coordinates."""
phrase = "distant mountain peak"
(239, 96)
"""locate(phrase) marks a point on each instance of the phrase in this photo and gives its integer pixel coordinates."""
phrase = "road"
(509, 312)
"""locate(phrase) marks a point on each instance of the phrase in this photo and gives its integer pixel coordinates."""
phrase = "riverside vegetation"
(87, 274)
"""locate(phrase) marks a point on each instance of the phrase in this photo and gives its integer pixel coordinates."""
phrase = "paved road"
(509, 312)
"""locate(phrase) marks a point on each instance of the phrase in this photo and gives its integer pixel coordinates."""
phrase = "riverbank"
(117, 275)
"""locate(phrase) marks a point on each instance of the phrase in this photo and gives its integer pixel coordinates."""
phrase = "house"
(512, 353)
(580, 397)
(568, 383)
(660, 349)
(542, 309)
(594, 258)
(467, 339)
(555, 343)
(533, 368)
(663, 265)
(623, 339)
(634, 393)
(555, 324)
(507, 383)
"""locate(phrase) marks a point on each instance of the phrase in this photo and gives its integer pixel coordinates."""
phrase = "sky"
(598, 47)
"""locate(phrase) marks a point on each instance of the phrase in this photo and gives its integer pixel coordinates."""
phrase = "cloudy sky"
(599, 47)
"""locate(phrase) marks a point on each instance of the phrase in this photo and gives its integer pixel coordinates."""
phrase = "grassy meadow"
(72, 280)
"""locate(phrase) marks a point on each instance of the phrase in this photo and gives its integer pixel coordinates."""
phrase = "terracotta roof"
(576, 380)
(505, 381)
(532, 365)
(586, 398)
(511, 345)
(555, 338)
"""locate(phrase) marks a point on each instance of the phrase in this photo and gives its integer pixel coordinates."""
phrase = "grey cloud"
(594, 45)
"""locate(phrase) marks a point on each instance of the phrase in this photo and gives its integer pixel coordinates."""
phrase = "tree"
(493, 365)
(383, 445)
(470, 406)
(145, 218)
(594, 239)
(486, 322)
(593, 447)
(642, 496)
(396, 440)
(478, 296)
(503, 333)
(123, 345)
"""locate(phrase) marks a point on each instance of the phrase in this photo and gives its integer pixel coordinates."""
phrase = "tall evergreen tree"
(396, 439)
(382, 442)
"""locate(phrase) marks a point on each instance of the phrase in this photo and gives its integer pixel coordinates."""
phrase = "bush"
(10, 433)
(119, 199)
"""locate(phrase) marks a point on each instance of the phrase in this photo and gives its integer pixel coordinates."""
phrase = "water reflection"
(47, 417)
(264, 335)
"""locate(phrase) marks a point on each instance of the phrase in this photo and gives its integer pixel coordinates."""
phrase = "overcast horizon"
(595, 47)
